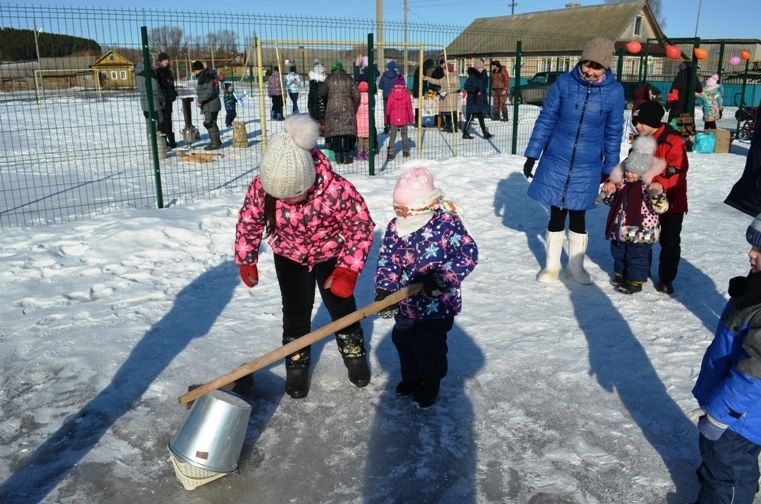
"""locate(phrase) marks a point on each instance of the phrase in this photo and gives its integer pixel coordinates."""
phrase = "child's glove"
(711, 428)
(389, 311)
(528, 167)
(432, 288)
(249, 274)
(341, 282)
(695, 414)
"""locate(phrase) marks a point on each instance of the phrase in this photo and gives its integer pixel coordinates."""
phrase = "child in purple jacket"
(427, 243)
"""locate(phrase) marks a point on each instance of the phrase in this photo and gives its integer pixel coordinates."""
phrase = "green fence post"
(693, 79)
(516, 95)
(620, 67)
(148, 72)
(720, 64)
(371, 101)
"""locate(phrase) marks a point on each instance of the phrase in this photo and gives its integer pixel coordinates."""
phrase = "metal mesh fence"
(74, 137)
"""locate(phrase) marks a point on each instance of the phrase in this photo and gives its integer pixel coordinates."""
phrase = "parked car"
(534, 91)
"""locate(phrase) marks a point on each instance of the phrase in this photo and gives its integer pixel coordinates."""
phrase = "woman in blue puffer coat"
(728, 390)
(577, 138)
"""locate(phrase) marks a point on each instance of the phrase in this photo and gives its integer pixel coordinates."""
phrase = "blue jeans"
(632, 260)
(294, 102)
(729, 471)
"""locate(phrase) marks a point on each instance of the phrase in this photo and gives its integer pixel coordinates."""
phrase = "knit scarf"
(598, 81)
(629, 196)
(411, 217)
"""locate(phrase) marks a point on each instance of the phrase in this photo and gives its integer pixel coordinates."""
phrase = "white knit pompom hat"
(287, 169)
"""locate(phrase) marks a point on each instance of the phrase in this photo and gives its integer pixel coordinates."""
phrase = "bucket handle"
(299, 343)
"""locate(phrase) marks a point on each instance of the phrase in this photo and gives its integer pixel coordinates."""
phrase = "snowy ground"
(559, 394)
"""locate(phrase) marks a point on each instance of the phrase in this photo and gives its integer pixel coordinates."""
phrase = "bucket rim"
(185, 459)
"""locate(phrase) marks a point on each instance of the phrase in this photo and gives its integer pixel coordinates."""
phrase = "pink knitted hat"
(414, 184)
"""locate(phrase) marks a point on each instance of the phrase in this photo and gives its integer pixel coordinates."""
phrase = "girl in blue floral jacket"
(426, 243)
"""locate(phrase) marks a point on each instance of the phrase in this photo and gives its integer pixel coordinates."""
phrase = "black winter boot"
(216, 142)
(484, 131)
(426, 394)
(405, 388)
(630, 286)
(297, 382)
(171, 143)
(359, 373)
(351, 344)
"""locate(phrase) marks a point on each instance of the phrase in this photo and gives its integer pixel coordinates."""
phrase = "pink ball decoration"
(633, 47)
(734, 60)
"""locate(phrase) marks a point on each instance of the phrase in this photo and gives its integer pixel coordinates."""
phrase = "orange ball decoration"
(700, 53)
(745, 55)
(673, 52)
(633, 47)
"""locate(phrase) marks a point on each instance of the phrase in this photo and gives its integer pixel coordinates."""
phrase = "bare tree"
(168, 39)
(221, 42)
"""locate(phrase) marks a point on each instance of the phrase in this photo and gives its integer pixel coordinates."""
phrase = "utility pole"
(379, 29)
(41, 90)
(697, 21)
(406, 72)
(512, 7)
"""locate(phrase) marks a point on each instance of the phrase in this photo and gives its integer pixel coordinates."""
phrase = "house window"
(545, 64)
(123, 75)
(565, 64)
(113, 74)
(638, 26)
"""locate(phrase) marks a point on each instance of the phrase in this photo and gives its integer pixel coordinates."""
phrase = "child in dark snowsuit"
(230, 103)
(427, 243)
(728, 391)
(633, 225)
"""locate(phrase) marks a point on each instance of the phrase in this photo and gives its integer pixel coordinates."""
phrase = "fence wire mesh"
(74, 137)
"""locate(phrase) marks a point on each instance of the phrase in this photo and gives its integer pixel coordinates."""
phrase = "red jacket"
(399, 107)
(670, 147)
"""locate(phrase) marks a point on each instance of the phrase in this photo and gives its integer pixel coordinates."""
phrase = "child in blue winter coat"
(633, 225)
(728, 391)
(427, 243)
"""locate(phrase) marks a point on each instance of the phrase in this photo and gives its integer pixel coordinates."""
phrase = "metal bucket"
(213, 433)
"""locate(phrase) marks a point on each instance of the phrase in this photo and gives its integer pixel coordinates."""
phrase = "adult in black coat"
(428, 65)
(746, 193)
(476, 85)
(680, 86)
(166, 82)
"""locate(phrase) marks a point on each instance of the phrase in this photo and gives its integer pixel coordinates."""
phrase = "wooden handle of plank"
(299, 343)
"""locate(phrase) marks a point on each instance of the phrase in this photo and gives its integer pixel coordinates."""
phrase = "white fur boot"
(577, 248)
(554, 247)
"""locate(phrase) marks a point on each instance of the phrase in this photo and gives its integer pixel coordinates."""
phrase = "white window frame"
(638, 22)
(113, 75)
(123, 75)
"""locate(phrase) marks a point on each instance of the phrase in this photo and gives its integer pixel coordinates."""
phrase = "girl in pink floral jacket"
(320, 231)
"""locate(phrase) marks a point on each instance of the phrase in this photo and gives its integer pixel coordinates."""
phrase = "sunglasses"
(593, 65)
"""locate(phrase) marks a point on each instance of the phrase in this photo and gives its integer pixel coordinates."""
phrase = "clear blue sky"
(727, 19)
